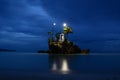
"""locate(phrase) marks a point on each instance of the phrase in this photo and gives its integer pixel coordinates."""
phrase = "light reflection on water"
(54, 67)
(65, 66)
(59, 64)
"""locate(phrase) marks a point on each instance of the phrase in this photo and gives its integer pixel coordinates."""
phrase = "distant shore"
(7, 50)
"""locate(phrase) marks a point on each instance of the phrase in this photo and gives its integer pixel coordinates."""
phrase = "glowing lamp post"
(64, 25)
(65, 30)
(54, 24)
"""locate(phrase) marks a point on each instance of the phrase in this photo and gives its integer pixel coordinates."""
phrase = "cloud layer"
(23, 23)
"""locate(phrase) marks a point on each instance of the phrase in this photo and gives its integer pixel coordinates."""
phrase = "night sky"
(24, 24)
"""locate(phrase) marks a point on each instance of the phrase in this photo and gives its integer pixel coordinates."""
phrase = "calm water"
(34, 66)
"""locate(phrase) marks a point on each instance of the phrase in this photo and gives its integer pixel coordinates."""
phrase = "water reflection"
(59, 64)
(64, 65)
(54, 67)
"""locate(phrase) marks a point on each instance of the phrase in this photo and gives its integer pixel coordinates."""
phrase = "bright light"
(65, 68)
(64, 25)
(54, 24)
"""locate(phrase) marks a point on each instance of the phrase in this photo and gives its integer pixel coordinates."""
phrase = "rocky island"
(59, 43)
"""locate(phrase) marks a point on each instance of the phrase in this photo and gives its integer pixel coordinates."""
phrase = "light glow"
(64, 24)
(54, 24)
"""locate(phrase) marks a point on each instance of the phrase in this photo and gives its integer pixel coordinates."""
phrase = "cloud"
(21, 41)
(16, 34)
(23, 23)
(20, 13)
(20, 37)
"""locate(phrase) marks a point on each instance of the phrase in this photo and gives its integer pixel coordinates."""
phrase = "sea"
(42, 66)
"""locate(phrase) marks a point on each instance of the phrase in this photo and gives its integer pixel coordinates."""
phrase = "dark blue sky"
(24, 23)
